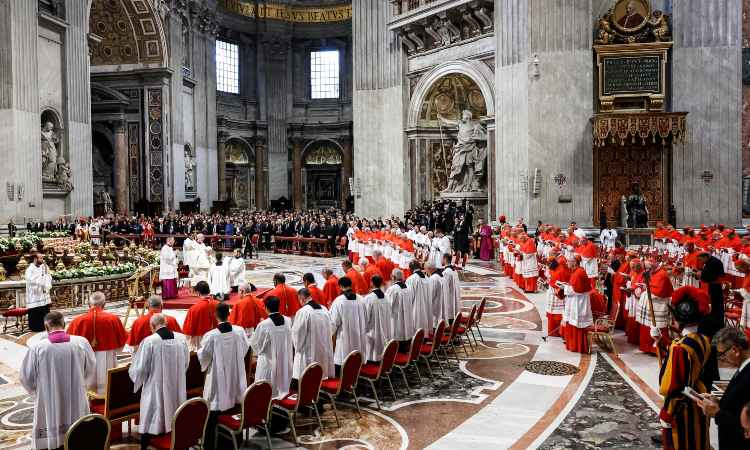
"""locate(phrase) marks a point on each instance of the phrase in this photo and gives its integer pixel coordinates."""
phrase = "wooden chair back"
(195, 378)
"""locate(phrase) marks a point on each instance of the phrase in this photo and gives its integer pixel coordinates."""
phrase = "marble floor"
(518, 389)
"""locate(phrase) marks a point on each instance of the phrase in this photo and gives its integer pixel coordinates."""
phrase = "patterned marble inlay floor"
(609, 414)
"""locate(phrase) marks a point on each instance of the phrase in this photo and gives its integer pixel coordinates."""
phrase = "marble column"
(122, 194)
(221, 169)
(297, 173)
(260, 178)
(346, 169)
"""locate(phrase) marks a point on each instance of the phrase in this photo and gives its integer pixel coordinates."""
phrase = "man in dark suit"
(733, 347)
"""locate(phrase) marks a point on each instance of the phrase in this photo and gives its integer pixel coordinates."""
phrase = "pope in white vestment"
(201, 264)
(159, 368)
(312, 332)
(350, 321)
(54, 371)
(272, 343)
(379, 324)
(419, 284)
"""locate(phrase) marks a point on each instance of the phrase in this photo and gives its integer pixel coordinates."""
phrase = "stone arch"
(245, 146)
(318, 143)
(476, 71)
(240, 173)
(132, 35)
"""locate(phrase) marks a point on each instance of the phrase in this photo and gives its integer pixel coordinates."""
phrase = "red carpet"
(186, 299)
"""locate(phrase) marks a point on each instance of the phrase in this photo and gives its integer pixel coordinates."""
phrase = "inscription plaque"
(631, 75)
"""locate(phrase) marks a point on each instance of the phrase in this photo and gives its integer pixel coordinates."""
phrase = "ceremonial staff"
(652, 316)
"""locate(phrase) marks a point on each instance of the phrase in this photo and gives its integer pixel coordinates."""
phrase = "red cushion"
(331, 385)
(464, 319)
(599, 329)
(402, 359)
(370, 370)
(97, 406)
(425, 349)
(733, 315)
(446, 338)
(461, 330)
(15, 312)
(229, 421)
(286, 402)
(162, 441)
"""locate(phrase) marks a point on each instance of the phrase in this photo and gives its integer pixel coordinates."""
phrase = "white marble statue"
(467, 167)
(189, 172)
(107, 200)
(49, 153)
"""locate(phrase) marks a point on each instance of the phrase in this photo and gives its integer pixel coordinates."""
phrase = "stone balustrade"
(68, 293)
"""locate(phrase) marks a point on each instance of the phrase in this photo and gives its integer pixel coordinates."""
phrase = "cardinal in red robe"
(201, 317)
(578, 315)
(288, 301)
(331, 288)
(359, 285)
(316, 294)
(248, 312)
(141, 328)
(105, 333)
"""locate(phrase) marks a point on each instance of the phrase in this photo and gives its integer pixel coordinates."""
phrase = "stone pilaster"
(221, 169)
(297, 200)
(122, 193)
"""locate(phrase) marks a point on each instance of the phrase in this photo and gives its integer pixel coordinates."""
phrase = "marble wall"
(381, 166)
(43, 66)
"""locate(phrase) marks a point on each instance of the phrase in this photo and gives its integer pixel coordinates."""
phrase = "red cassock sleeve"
(140, 330)
(331, 290)
(201, 318)
(661, 285)
(579, 281)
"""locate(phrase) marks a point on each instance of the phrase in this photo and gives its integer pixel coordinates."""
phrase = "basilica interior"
(538, 111)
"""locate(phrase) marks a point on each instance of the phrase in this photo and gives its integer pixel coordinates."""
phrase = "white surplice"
(159, 367)
(349, 320)
(451, 293)
(167, 263)
(419, 284)
(401, 299)
(237, 270)
(187, 251)
(273, 345)
(379, 324)
(223, 355)
(218, 279)
(312, 334)
(38, 285)
(54, 375)
(435, 283)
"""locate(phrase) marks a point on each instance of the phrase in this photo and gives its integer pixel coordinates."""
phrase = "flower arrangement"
(85, 269)
(19, 244)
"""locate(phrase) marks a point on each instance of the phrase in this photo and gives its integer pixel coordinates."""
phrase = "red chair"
(449, 340)
(90, 432)
(255, 412)
(478, 318)
(465, 324)
(15, 313)
(188, 427)
(405, 360)
(332, 387)
(429, 348)
(457, 335)
(373, 372)
(307, 397)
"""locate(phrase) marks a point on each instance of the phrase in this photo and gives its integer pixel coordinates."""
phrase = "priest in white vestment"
(349, 321)
(159, 368)
(443, 247)
(187, 251)
(434, 282)
(272, 342)
(54, 371)
(379, 321)
(222, 354)
(401, 299)
(201, 262)
(312, 332)
(451, 289)
(236, 269)
(419, 284)
(168, 270)
(38, 285)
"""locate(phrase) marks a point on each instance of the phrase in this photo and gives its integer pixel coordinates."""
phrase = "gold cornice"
(287, 13)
